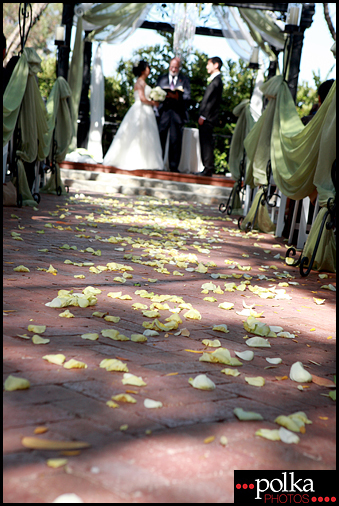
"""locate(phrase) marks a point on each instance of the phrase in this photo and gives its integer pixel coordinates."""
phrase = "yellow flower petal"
(221, 328)
(202, 382)
(39, 340)
(74, 364)
(91, 337)
(114, 319)
(193, 314)
(213, 344)
(38, 329)
(226, 305)
(257, 381)
(113, 364)
(66, 314)
(246, 415)
(138, 338)
(57, 359)
(15, 383)
(55, 463)
(272, 435)
(131, 379)
(124, 398)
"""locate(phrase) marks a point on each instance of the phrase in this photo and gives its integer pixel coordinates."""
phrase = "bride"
(136, 144)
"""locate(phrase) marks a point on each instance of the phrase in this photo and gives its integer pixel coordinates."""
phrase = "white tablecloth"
(190, 161)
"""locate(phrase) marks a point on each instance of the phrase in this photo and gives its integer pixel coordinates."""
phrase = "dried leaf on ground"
(323, 382)
(35, 443)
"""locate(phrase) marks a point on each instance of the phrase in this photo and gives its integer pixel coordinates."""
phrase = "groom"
(209, 111)
(172, 112)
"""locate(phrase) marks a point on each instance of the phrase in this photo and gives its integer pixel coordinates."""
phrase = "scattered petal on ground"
(299, 374)
(15, 383)
(202, 382)
(246, 415)
(151, 404)
(131, 379)
(257, 381)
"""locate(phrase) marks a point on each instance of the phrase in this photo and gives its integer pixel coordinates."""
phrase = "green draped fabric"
(23, 103)
(244, 124)
(257, 145)
(60, 119)
(263, 221)
(74, 78)
(114, 20)
(255, 18)
(301, 156)
(13, 96)
(325, 259)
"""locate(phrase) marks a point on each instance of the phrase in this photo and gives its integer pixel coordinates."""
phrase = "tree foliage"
(42, 33)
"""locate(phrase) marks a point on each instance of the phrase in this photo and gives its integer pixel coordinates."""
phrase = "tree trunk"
(329, 22)
(14, 41)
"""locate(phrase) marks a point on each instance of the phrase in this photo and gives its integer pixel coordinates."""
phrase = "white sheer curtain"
(97, 107)
(230, 20)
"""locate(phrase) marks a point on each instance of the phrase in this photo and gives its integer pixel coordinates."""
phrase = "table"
(190, 160)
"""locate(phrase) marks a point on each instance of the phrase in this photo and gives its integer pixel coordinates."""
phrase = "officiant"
(173, 111)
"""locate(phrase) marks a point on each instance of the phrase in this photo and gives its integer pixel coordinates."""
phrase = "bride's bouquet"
(158, 94)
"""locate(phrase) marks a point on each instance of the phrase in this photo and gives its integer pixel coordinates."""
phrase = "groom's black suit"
(172, 116)
(209, 109)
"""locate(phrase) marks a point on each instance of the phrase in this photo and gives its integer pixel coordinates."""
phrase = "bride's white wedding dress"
(136, 144)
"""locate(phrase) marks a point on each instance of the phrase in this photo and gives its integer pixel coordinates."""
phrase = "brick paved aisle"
(177, 452)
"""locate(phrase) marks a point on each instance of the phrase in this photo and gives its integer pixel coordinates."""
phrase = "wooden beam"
(262, 7)
(200, 30)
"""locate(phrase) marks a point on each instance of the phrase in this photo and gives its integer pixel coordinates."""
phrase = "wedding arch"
(245, 27)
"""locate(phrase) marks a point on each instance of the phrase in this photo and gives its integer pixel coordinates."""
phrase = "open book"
(176, 88)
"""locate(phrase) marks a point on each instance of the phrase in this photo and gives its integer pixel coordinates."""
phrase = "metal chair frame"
(303, 261)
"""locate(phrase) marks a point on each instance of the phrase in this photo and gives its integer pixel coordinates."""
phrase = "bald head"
(174, 67)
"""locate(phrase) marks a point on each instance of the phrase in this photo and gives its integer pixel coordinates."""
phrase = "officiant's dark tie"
(172, 84)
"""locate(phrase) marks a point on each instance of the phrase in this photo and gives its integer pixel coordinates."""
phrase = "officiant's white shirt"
(172, 79)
